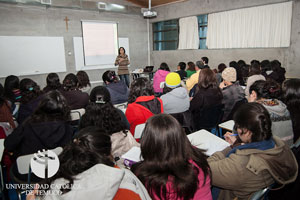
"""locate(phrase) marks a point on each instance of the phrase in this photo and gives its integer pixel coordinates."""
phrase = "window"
(202, 24)
(165, 35)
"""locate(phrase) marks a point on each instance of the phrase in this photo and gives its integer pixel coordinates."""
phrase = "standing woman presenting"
(123, 62)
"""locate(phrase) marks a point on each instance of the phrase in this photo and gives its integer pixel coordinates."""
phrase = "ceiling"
(144, 3)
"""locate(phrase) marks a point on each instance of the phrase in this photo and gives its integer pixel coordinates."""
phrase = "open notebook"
(200, 139)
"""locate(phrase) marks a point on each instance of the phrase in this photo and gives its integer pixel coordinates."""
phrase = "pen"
(233, 135)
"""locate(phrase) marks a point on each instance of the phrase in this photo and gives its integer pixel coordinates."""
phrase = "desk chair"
(23, 166)
(139, 131)
(76, 117)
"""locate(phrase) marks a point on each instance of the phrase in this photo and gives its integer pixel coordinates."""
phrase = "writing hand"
(230, 138)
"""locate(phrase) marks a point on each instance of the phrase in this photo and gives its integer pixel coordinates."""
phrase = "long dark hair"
(255, 118)
(90, 146)
(291, 97)
(83, 79)
(101, 113)
(70, 82)
(29, 90)
(140, 87)
(171, 160)
(11, 83)
(53, 82)
(53, 107)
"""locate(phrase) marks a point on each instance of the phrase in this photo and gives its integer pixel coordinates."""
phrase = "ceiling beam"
(143, 4)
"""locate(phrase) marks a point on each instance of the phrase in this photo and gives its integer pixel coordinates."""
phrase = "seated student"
(193, 80)
(142, 103)
(221, 68)
(12, 92)
(159, 77)
(46, 128)
(118, 89)
(267, 94)
(74, 97)
(291, 97)
(260, 160)
(172, 168)
(102, 91)
(103, 114)
(181, 70)
(231, 90)
(87, 171)
(53, 83)
(205, 62)
(254, 75)
(84, 84)
(191, 69)
(5, 110)
(31, 97)
(175, 97)
(265, 68)
(278, 72)
(207, 94)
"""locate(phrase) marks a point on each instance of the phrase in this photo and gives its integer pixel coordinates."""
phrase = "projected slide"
(100, 42)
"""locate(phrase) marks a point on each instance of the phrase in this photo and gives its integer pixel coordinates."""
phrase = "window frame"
(155, 42)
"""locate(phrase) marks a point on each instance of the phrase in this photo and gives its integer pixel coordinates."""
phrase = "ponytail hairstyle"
(255, 118)
(171, 160)
(83, 79)
(91, 146)
(70, 82)
(110, 77)
(101, 113)
(29, 90)
(266, 89)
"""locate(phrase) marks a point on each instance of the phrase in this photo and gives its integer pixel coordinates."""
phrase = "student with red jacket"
(142, 103)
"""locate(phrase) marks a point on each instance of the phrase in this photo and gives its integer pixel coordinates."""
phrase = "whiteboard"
(30, 55)
(79, 57)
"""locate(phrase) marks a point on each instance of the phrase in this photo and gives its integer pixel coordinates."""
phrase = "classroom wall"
(289, 57)
(24, 20)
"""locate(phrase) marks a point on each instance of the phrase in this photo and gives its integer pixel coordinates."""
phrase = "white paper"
(207, 141)
(134, 154)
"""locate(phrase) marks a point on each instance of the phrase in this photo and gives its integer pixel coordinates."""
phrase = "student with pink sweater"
(159, 77)
(172, 168)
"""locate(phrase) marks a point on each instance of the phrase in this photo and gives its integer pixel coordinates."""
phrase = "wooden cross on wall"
(67, 20)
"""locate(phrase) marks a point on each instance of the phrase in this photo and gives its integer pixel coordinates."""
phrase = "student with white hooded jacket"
(175, 98)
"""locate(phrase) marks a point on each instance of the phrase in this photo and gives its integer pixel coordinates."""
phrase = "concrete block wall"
(289, 57)
(24, 20)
